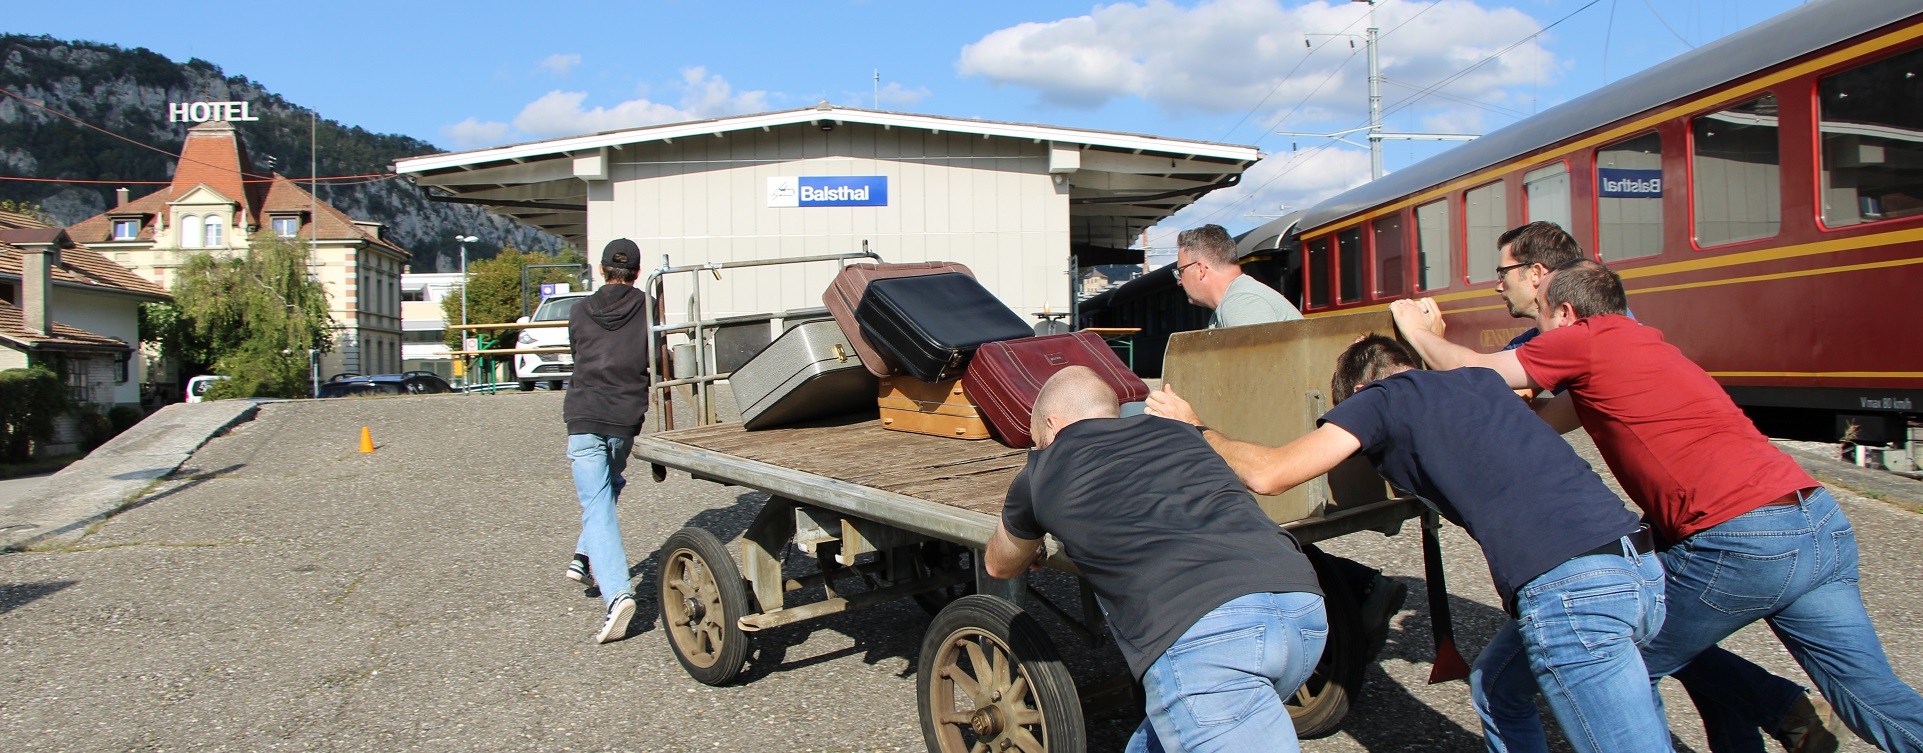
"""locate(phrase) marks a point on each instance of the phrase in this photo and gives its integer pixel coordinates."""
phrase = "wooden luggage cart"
(889, 515)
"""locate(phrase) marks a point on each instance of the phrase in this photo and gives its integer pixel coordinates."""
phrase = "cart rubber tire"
(965, 663)
(702, 599)
(1318, 706)
(937, 555)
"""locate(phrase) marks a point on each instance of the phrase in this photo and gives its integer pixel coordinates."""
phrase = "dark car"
(409, 383)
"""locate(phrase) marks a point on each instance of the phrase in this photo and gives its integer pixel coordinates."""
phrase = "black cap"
(621, 253)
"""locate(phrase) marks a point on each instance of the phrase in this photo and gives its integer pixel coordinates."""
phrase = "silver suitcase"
(808, 372)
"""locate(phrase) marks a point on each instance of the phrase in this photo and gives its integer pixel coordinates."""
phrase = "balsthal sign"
(201, 112)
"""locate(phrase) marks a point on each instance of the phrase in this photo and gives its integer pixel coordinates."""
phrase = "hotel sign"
(201, 112)
(828, 191)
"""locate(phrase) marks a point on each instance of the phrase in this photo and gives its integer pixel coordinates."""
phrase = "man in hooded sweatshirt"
(606, 402)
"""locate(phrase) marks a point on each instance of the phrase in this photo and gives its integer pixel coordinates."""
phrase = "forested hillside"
(126, 92)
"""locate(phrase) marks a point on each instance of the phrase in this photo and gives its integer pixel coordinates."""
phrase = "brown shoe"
(1809, 727)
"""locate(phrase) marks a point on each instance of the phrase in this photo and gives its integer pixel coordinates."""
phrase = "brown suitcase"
(1007, 376)
(940, 409)
(844, 295)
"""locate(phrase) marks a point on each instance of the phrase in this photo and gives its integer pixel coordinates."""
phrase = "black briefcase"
(930, 325)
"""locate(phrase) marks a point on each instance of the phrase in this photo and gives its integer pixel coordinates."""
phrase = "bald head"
(1073, 394)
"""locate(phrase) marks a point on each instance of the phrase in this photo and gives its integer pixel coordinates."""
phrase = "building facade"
(1018, 204)
(218, 204)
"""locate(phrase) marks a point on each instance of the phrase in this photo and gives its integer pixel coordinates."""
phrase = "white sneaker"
(578, 570)
(619, 613)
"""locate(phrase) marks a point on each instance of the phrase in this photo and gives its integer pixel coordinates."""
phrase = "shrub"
(29, 400)
(124, 417)
(95, 427)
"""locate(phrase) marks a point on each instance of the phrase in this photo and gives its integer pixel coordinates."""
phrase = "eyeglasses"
(1179, 269)
(1503, 271)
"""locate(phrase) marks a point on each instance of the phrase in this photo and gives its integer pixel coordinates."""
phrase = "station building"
(1022, 205)
(218, 203)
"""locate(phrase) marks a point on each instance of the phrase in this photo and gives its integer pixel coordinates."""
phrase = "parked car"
(553, 368)
(409, 383)
(197, 386)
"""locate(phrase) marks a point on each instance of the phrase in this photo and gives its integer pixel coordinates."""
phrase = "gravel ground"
(289, 593)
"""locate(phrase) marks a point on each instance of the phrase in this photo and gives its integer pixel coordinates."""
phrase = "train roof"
(1792, 34)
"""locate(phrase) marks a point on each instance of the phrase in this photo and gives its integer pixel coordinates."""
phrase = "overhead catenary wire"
(1284, 80)
(338, 180)
(1406, 102)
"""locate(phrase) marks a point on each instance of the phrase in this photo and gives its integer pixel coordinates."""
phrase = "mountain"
(126, 92)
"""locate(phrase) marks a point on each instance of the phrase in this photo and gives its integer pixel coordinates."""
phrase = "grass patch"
(37, 467)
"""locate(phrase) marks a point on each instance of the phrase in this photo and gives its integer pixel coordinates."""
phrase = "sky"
(480, 73)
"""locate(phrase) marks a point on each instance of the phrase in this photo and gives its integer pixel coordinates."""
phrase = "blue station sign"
(1625, 183)
(828, 191)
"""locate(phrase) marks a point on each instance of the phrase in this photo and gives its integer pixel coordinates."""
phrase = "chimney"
(120, 197)
(36, 278)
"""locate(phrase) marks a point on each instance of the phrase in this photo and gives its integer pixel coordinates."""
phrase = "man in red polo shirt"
(1751, 536)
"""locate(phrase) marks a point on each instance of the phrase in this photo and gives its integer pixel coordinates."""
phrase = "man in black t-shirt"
(1573, 568)
(1215, 608)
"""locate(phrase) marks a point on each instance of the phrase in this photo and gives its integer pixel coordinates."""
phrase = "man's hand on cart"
(1167, 404)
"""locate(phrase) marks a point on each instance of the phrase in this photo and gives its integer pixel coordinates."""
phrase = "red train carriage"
(1762, 197)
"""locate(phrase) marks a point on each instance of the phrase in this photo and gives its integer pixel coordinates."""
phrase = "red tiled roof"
(13, 331)
(78, 265)
(214, 157)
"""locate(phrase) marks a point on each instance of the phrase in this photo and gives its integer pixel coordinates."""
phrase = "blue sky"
(471, 74)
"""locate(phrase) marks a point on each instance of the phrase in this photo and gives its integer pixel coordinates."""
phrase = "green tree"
(258, 315)
(494, 289)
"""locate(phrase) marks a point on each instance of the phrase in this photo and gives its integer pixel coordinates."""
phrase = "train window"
(1318, 264)
(1487, 216)
(1872, 141)
(1629, 198)
(1432, 245)
(1348, 249)
(1391, 261)
(1735, 173)
(1547, 191)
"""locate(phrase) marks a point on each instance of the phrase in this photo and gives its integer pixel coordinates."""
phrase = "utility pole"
(1375, 97)
(1376, 135)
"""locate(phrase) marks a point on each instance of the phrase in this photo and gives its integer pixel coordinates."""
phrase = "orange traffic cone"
(367, 440)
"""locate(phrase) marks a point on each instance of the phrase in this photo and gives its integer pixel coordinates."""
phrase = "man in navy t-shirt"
(1576, 573)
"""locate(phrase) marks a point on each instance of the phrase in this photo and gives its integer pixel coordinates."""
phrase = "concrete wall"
(988, 203)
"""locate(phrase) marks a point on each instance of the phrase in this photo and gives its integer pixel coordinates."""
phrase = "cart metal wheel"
(1318, 706)
(989, 680)
(702, 599)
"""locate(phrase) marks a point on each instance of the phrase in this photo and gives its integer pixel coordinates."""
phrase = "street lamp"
(464, 240)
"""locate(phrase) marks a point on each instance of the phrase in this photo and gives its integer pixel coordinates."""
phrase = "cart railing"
(700, 330)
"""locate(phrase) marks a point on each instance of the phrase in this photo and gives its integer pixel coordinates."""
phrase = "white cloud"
(472, 133)
(565, 113)
(559, 64)
(896, 95)
(1224, 56)
(1280, 183)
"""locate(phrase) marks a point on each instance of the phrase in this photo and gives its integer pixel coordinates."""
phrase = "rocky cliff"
(126, 92)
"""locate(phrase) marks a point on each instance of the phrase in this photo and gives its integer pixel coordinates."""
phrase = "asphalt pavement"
(283, 591)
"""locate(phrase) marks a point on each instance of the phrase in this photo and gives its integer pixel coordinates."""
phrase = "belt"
(1641, 541)
(1792, 498)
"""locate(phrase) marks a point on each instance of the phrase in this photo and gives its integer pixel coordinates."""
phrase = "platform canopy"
(1119, 183)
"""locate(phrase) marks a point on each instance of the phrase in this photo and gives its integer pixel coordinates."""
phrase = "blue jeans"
(598, 461)
(1576, 640)
(1795, 567)
(1736, 699)
(1220, 687)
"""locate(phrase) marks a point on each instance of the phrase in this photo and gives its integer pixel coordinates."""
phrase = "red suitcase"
(844, 295)
(1005, 377)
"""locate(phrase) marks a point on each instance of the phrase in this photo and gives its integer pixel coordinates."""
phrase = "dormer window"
(286, 227)
(190, 232)
(126, 230)
(214, 228)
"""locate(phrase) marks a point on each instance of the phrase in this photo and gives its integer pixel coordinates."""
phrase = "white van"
(197, 386)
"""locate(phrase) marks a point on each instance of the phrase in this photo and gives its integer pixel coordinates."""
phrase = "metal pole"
(1375, 100)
